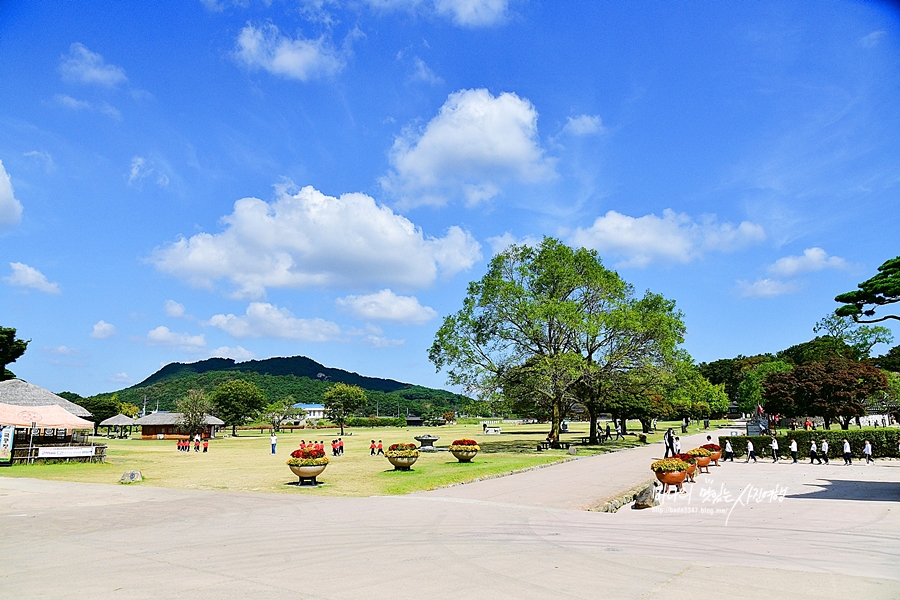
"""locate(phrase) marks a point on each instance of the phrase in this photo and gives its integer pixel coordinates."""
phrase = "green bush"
(376, 422)
(884, 442)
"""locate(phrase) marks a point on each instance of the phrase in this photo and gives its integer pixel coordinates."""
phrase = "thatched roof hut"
(173, 418)
(119, 420)
(168, 425)
(21, 393)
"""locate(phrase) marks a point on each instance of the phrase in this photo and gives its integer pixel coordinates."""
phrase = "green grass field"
(244, 463)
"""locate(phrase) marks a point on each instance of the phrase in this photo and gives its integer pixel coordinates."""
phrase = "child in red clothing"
(205, 445)
(196, 445)
(380, 447)
(340, 447)
(372, 448)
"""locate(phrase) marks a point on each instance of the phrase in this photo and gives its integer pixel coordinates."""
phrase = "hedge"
(376, 422)
(884, 442)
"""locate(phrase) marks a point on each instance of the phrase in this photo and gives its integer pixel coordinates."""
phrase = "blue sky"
(187, 179)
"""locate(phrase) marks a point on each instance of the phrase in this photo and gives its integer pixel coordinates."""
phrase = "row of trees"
(549, 329)
(832, 376)
(238, 401)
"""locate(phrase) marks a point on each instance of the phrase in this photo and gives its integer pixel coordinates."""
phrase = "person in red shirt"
(372, 448)
(380, 448)
(333, 447)
(205, 445)
(340, 447)
(302, 444)
(197, 445)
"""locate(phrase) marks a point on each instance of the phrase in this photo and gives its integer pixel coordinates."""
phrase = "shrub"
(668, 465)
(375, 422)
(884, 442)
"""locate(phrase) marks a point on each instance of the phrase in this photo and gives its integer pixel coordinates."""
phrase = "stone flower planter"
(402, 463)
(690, 473)
(715, 457)
(703, 463)
(307, 475)
(668, 478)
(464, 455)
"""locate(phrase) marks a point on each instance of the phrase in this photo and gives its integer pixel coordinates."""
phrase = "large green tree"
(236, 401)
(834, 390)
(341, 401)
(11, 348)
(100, 407)
(542, 314)
(280, 411)
(749, 391)
(890, 361)
(871, 294)
(194, 409)
(859, 337)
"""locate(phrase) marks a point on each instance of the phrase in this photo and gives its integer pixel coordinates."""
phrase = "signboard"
(65, 451)
(7, 434)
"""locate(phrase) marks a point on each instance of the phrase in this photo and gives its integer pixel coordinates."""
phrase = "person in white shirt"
(273, 439)
(847, 458)
(677, 445)
(867, 450)
(750, 452)
(825, 451)
(774, 446)
(814, 453)
(729, 451)
(794, 450)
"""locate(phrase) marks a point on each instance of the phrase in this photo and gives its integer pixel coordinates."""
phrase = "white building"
(313, 411)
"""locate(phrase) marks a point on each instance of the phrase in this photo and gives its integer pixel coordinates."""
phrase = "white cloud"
(473, 13)
(583, 125)
(162, 336)
(305, 59)
(103, 330)
(422, 72)
(499, 243)
(62, 351)
(120, 378)
(813, 259)
(264, 320)
(310, 239)
(674, 237)
(238, 353)
(71, 103)
(766, 288)
(42, 156)
(29, 277)
(173, 309)
(872, 39)
(141, 168)
(81, 65)
(388, 306)
(10, 207)
(475, 144)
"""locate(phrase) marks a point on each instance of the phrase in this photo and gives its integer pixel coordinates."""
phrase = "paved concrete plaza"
(793, 531)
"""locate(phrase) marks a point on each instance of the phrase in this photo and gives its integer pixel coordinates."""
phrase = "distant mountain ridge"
(299, 366)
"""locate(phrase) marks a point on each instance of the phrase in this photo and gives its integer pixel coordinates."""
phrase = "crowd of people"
(184, 445)
(818, 454)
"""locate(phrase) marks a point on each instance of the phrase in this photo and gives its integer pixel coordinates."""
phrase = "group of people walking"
(376, 449)
(673, 443)
(816, 452)
(185, 445)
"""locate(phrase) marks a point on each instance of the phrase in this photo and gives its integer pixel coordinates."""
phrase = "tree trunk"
(845, 423)
(827, 422)
(555, 420)
(342, 428)
(592, 413)
(646, 424)
(233, 430)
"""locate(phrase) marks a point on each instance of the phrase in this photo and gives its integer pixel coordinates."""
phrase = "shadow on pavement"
(844, 489)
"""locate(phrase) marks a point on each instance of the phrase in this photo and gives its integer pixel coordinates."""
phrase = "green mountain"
(299, 366)
(298, 376)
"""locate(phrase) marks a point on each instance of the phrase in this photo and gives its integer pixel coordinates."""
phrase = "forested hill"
(299, 366)
(278, 378)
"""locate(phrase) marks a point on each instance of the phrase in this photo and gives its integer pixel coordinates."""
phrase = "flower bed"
(700, 453)
(669, 465)
(690, 460)
(402, 451)
(307, 457)
(464, 445)
(713, 448)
